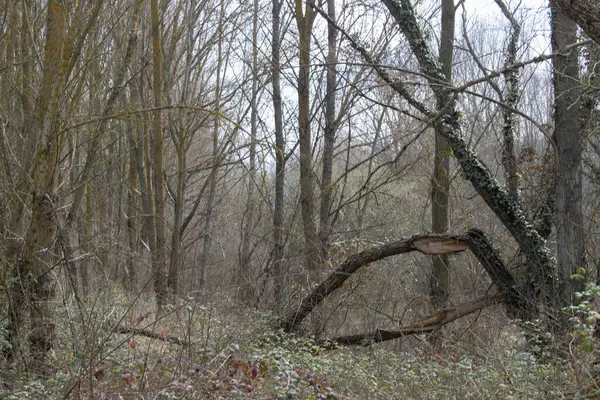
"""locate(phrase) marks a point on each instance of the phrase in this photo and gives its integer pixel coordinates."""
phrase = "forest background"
(202, 198)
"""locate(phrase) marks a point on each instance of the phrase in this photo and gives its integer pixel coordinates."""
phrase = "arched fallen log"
(474, 239)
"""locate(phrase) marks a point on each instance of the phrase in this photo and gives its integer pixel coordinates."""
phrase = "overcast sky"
(489, 6)
(533, 14)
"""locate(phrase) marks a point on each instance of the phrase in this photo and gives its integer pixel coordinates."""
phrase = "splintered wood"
(436, 246)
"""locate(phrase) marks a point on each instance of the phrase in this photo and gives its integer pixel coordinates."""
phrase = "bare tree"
(569, 141)
(160, 253)
(33, 286)
(511, 98)
(329, 134)
(247, 246)
(210, 202)
(279, 151)
(440, 274)
(304, 20)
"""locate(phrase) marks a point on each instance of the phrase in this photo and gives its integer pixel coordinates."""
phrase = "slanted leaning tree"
(543, 288)
(532, 245)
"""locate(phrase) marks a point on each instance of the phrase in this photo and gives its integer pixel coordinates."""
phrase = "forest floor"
(218, 351)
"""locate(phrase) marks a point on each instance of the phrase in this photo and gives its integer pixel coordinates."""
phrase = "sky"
(533, 14)
(485, 7)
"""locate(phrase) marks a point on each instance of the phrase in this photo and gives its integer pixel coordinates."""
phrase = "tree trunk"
(277, 270)
(440, 273)
(567, 132)
(179, 142)
(534, 247)
(175, 261)
(132, 225)
(159, 255)
(243, 274)
(367, 196)
(206, 247)
(511, 79)
(329, 135)
(34, 286)
(143, 164)
(586, 13)
(304, 20)
(86, 231)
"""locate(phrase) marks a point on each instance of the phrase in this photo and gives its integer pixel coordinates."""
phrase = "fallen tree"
(425, 325)
(474, 240)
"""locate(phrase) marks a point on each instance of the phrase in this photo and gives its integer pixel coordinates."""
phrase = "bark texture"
(33, 285)
(586, 13)
(511, 98)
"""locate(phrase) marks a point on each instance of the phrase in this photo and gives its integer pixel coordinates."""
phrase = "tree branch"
(153, 335)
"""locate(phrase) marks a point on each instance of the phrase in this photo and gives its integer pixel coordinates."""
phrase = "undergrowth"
(228, 353)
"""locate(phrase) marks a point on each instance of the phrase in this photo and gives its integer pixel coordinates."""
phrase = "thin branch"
(396, 84)
(152, 335)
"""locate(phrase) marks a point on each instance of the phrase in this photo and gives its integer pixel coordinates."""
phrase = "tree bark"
(179, 141)
(87, 228)
(143, 166)
(206, 247)
(247, 247)
(132, 225)
(586, 13)
(511, 79)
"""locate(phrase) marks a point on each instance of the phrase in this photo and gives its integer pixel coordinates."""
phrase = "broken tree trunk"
(474, 240)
